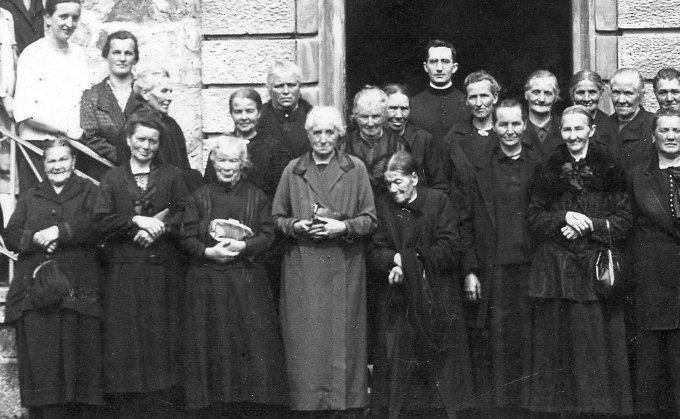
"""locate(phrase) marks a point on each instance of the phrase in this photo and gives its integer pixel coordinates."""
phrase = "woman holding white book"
(234, 355)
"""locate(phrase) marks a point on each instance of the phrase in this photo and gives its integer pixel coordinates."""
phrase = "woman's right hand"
(47, 239)
(579, 222)
(151, 225)
(220, 253)
(473, 288)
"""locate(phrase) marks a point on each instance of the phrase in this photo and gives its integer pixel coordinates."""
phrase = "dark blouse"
(511, 245)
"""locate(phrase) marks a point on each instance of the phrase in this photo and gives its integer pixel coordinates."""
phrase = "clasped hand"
(150, 229)
(47, 238)
(321, 228)
(225, 251)
(577, 225)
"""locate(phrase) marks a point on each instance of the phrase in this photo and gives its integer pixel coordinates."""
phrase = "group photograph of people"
(437, 254)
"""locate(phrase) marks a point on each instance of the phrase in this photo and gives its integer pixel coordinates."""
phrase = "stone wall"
(644, 34)
(241, 40)
(169, 36)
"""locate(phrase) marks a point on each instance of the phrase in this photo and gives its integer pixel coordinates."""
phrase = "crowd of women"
(314, 272)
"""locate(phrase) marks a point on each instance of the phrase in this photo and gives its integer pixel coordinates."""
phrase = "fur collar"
(607, 175)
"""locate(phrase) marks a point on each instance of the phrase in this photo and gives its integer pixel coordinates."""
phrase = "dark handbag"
(49, 284)
(608, 274)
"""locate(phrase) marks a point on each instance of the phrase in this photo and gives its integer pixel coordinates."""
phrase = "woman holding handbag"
(579, 208)
(54, 299)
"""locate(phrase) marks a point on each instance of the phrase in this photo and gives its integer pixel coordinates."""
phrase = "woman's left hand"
(236, 246)
(331, 228)
(143, 238)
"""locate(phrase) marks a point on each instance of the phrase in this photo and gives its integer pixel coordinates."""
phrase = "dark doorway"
(509, 39)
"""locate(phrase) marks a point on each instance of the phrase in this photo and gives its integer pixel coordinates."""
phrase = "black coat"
(478, 225)
(28, 24)
(636, 140)
(655, 250)
(433, 236)
(435, 169)
(563, 268)
(71, 211)
(551, 141)
(286, 145)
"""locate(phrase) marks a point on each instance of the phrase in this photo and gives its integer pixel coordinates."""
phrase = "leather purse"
(49, 284)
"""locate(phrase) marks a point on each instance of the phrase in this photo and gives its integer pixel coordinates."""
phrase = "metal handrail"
(39, 152)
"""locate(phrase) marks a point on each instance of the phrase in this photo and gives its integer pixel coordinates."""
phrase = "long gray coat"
(323, 285)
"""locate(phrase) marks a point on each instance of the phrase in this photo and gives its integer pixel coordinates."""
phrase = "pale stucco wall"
(649, 39)
(241, 40)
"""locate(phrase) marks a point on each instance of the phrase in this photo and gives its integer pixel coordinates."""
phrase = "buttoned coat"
(71, 211)
(656, 246)
(323, 286)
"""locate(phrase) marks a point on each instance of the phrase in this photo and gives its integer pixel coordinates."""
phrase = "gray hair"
(632, 72)
(283, 66)
(325, 113)
(372, 94)
(224, 141)
(149, 78)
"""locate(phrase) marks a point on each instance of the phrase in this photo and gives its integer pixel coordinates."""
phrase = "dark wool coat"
(28, 24)
(436, 111)
(551, 141)
(655, 249)
(433, 235)
(71, 211)
(564, 268)
(103, 121)
(464, 137)
(636, 139)
(143, 292)
(478, 225)
(435, 168)
(287, 130)
(323, 284)
(606, 133)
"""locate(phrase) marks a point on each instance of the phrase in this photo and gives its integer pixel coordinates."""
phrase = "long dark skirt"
(59, 358)
(500, 350)
(657, 372)
(234, 351)
(410, 380)
(141, 332)
(579, 359)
